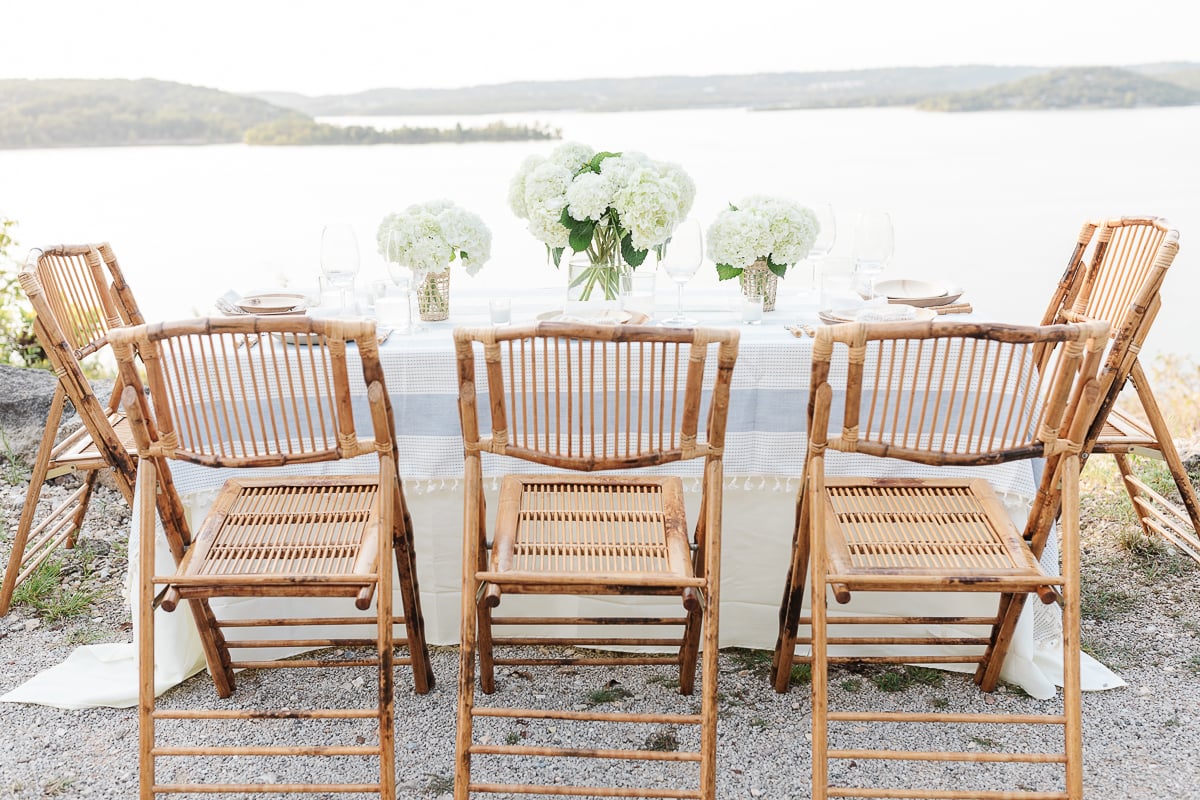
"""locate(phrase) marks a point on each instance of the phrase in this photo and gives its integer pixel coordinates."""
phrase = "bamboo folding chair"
(586, 399)
(262, 392)
(75, 307)
(1120, 281)
(939, 395)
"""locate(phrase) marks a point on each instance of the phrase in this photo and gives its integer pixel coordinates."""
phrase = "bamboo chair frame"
(587, 399)
(255, 392)
(75, 307)
(1120, 281)
(940, 534)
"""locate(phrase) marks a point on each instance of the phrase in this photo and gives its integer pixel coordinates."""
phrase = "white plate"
(272, 303)
(607, 316)
(913, 292)
(834, 316)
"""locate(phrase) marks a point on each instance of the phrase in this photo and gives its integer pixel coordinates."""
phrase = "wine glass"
(403, 277)
(339, 258)
(821, 247)
(873, 243)
(682, 257)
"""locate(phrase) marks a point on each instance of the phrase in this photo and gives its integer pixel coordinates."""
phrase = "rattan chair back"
(263, 392)
(74, 309)
(1116, 273)
(944, 395)
(579, 402)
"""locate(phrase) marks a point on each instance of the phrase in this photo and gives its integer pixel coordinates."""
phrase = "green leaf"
(598, 159)
(632, 256)
(725, 272)
(581, 235)
(778, 269)
(556, 254)
(566, 219)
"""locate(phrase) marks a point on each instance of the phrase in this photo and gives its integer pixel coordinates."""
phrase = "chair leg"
(820, 689)
(708, 701)
(89, 483)
(414, 621)
(1129, 481)
(386, 653)
(987, 672)
(790, 607)
(485, 646)
(689, 651)
(145, 643)
(466, 696)
(41, 466)
(1072, 712)
(1166, 444)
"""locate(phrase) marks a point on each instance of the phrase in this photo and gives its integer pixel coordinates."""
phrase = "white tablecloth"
(765, 444)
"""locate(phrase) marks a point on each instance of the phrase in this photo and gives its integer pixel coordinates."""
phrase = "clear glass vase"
(594, 275)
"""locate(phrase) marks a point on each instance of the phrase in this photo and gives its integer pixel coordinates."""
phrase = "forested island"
(109, 113)
(1083, 88)
(85, 113)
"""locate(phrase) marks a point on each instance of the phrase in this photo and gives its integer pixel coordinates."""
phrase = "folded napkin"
(886, 313)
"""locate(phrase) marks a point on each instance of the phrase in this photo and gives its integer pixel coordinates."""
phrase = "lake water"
(992, 201)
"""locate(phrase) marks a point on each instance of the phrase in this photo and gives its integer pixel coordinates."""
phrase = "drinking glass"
(339, 258)
(402, 276)
(683, 255)
(822, 246)
(873, 243)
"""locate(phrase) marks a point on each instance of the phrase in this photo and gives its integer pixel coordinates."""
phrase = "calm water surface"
(990, 200)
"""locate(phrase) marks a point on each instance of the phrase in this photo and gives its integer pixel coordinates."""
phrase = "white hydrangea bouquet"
(770, 230)
(613, 206)
(427, 238)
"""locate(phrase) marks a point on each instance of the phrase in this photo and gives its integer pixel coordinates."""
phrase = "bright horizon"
(316, 48)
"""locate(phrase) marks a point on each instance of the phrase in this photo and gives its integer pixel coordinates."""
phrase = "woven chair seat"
(612, 530)
(79, 451)
(952, 527)
(289, 529)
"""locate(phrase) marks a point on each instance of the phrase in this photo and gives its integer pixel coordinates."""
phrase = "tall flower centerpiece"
(610, 208)
(757, 240)
(427, 238)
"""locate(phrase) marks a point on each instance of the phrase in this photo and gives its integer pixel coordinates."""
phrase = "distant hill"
(896, 86)
(81, 113)
(1081, 87)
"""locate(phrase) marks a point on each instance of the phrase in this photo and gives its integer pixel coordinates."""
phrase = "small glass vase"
(757, 279)
(433, 296)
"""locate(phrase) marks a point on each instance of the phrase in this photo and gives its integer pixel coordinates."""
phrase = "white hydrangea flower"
(762, 227)
(590, 195)
(516, 188)
(425, 237)
(649, 207)
(572, 155)
(546, 226)
(644, 199)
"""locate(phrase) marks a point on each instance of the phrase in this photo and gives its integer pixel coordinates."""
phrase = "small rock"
(32, 624)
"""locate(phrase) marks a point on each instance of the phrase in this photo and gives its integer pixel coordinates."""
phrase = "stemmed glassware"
(404, 279)
(339, 259)
(873, 243)
(823, 246)
(683, 255)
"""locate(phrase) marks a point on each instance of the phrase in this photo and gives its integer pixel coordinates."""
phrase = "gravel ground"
(1142, 618)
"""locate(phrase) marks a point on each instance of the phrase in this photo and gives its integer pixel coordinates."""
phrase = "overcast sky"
(336, 46)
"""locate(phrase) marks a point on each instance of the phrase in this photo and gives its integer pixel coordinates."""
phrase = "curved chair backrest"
(596, 397)
(255, 391)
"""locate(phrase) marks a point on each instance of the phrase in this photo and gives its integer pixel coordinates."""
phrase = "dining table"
(764, 454)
